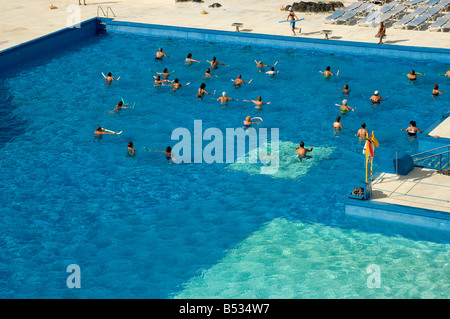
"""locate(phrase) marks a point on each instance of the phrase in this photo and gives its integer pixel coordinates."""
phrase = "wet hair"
(189, 55)
(109, 74)
(258, 98)
(328, 68)
(346, 86)
(176, 81)
(363, 125)
(158, 78)
(120, 103)
(214, 58)
(436, 86)
(165, 70)
(168, 149)
(338, 118)
(160, 49)
(413, 123)
(302, 144)
(239, 76)
(99, 128)
(208, 70)
(130, 144)
(413, 72)
(272, 69)
(202, 86)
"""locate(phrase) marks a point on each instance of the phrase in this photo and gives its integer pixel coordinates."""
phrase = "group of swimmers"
(162, 79)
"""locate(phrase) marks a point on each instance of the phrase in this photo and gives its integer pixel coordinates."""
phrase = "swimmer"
(165, 73)
(208, 73)
(102, 131)
(412, 76)
(260, 65)
(362, 132)
(214, 63)
(109, 78)
(189, 59)
(337, 125)
(224, 98)
(119, 106)
(436, 91)
(412, 129)
(131, 150)
(447, 73)
(168, 153)
(176, 84)
(272, 71)
(344, 107)
(160, 54)
(345, 90)
(202, 91)
(259, 103)
(158, 81)
(301, 151)
(327, 73)
(239, 81)
(375, 98)
(248, 121)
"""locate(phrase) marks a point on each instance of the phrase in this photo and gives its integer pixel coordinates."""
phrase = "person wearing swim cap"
(344, 107)
(224, 98)
(301, 151)
(376, 98)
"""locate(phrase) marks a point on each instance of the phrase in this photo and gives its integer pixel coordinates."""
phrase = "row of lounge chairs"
(367, 14)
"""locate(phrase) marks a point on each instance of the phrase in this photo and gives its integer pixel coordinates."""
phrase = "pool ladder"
(442, 158)
(101, 27)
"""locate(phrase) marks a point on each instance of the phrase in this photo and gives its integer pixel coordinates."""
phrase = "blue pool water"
(142, 228)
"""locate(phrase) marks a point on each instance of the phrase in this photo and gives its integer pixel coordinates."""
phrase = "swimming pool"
(142, 228)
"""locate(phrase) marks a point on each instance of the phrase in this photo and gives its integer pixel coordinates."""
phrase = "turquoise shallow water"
(142, 228)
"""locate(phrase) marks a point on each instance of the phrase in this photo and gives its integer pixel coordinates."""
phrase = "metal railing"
(442, 158)
(107, 11)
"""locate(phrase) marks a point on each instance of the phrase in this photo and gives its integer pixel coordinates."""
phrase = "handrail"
(431, 150)
(421, 159)
(99, 7)
(107, 10)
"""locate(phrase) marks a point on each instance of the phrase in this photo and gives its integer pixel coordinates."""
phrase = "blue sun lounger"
(409, 17)
(349, 16)
(338, 13)
(418, 21)
(439, 23)
(393, 14)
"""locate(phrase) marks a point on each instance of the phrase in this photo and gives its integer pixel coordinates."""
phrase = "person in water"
(202, 91)
(168, 153)
(327, 73)
(189, 59)
(345, 90)
(131, 150)
(214, 63)
(208, 73)
(165, 74)
(412, 129)
(109, 78)
(248, 122)
(224, 98)
(158, 81)
(239, 81)
(362, 132)
(272, 71)
(259, 103)
(344, 107)
(302, 151)
(176, 84)
(337, 125)
(260, 65)
(412, 76)
(102, 131)
(376, 98)
(447, 73)
(160, 54)
(436, 91)
(292, 18)
(119, 106)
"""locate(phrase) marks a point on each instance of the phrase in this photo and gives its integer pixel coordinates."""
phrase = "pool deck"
(24, 20)
(422, 189)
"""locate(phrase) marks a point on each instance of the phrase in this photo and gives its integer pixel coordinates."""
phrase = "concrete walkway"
(24, 20)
